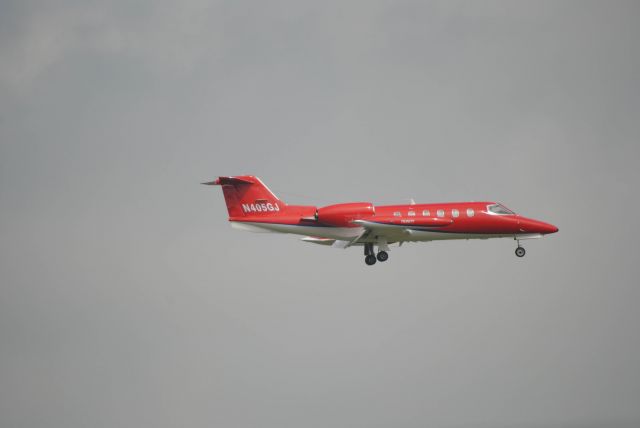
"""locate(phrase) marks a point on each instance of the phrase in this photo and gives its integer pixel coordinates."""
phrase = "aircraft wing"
(394, 223)
(392, 229)
(395, 229)
(391, 232)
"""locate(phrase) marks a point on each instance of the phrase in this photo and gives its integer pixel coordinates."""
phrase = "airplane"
(253, 207)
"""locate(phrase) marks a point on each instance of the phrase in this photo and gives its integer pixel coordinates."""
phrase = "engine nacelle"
(344, 214)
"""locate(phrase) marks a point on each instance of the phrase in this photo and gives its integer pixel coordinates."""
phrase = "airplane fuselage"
(467, 220)
(252, 206)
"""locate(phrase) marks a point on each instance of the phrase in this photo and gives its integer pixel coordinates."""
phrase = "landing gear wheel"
(370, 260)
(520, 252)
(383, 256)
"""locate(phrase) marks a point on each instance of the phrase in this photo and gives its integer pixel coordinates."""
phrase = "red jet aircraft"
(252, 206)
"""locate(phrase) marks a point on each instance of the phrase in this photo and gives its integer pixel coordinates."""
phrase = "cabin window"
(440, 213)
(470, 212)
(499, 209)
(397, 214)
(411, 213)
(426, 213)
(455, 212)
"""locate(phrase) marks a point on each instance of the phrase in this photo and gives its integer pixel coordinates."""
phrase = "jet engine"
(343, 214)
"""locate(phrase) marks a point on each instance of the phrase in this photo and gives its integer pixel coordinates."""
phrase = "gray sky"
(126, 300)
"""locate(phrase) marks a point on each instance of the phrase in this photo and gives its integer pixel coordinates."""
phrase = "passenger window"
(397, 214)
(411, 213)
(470, 212)
(426, 213)
(440, 213)
(455, 213)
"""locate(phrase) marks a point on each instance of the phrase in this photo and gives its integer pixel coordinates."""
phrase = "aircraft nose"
(534, 226)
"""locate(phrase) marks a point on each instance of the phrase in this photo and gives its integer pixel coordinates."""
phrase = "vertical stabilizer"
(246, 195)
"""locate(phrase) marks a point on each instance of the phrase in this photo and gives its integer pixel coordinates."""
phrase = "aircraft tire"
(370, 260)
(520, 252)
(383, 256)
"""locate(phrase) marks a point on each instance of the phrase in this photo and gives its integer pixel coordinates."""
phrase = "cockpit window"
(499, 209)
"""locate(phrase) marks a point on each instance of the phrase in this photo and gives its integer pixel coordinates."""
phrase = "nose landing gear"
(520, 252)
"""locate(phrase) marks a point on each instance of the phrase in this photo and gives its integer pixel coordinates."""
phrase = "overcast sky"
(126, 300)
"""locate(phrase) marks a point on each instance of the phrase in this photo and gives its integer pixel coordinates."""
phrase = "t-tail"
(247, 195)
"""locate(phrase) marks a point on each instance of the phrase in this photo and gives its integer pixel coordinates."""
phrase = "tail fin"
(247, 195)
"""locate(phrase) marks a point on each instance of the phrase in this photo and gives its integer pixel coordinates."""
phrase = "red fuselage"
(452, 217)
(252, 206)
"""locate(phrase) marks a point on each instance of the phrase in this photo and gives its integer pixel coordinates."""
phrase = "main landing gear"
(371, 258)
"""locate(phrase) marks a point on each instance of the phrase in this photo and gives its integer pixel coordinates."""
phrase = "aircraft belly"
(428, 235)
(348, 233)
(399, 234)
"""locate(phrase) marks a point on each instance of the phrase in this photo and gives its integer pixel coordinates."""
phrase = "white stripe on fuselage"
(349, 233)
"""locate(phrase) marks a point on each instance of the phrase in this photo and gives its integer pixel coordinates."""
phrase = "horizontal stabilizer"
(229, 180)
(341, 244)
(249, 227)
(320, 241)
